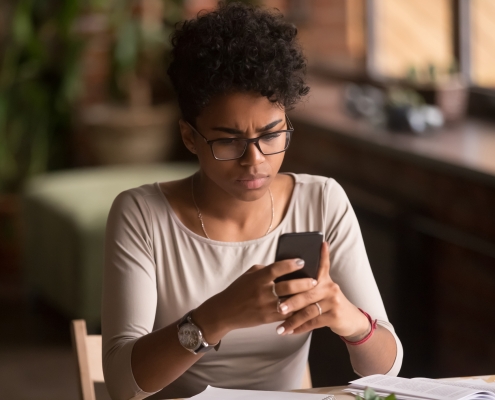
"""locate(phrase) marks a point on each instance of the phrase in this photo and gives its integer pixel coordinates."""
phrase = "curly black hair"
(236, 47)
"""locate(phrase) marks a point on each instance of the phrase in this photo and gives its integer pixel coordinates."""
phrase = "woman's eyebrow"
(238, 132)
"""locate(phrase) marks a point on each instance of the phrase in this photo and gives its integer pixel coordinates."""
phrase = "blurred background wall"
(401, 113)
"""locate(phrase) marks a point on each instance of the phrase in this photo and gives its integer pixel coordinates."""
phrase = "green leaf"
(39, 151)
(127, 47)
(68, 14)
(22, 28)
(29, 70)
(6, 162)
(71, 85)
(10, 63)
(369, 394)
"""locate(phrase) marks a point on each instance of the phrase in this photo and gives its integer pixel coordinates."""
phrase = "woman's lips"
(252, 183)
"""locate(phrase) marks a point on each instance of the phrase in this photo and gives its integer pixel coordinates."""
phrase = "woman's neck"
(226, 216)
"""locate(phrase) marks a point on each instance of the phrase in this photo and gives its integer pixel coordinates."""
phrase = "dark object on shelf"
(415, 119)
(406, 111)
(397, 118)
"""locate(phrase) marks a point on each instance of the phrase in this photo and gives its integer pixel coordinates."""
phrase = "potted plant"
(39, 74)
(445, 89)
(38, 86)
(137, 123)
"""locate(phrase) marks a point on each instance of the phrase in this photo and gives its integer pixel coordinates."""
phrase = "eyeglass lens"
(229, 149)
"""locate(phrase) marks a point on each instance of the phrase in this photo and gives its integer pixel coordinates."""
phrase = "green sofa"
(64, 216)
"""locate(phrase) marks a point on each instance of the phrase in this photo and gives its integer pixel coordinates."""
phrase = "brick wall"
(332, 32)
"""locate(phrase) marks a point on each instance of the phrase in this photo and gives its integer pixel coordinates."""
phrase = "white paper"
(420, 388)
(477, 383)
(213, 393)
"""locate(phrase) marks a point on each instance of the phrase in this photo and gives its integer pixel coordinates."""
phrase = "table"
(335, 390)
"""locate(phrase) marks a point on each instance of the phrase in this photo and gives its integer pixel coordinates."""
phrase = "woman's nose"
(252, 155)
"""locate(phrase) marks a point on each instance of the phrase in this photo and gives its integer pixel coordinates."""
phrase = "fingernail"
(289, 332)
(280, 330)
(314, 282)
(300, 262)
(284, 308)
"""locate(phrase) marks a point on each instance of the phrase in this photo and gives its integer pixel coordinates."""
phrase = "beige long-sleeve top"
(156, 270)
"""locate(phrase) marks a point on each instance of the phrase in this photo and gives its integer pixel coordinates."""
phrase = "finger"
(298, 319)
(294, 286)
(280, 268)
(324, 269)
(310, 325)
(274, 317)
(301, 300)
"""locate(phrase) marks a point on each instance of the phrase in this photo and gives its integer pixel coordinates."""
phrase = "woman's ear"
(187, 136)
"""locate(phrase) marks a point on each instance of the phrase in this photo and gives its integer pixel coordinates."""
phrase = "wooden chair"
(88, 355)
(306, 382)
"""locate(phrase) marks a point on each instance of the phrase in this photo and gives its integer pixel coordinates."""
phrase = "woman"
(189, 264)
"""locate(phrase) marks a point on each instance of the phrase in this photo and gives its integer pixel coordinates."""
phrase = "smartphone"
(304, 245)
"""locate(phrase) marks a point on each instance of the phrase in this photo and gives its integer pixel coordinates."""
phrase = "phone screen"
(304, 245)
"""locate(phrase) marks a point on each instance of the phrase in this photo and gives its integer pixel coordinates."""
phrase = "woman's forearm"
(375, 356)
(158, 358)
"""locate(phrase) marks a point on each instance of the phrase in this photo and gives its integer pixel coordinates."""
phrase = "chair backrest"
(306, 382)
(88, 355)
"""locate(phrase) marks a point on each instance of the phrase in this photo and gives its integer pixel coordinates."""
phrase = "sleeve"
(349, 265)
(129, 291)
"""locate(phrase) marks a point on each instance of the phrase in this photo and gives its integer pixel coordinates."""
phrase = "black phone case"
(304, 245)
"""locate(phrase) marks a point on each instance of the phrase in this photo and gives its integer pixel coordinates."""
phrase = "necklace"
(200, 217)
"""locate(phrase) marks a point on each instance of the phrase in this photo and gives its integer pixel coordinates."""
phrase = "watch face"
(189, 336)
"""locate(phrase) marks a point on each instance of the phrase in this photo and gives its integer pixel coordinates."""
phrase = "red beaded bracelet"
(373, 327)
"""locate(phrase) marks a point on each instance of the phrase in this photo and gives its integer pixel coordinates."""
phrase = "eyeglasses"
(234, 148)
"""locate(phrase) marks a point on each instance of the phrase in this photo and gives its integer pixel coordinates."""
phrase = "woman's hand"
(337, 312)
(250, 300)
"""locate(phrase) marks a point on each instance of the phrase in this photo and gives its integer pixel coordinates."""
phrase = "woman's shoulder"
(140, 201)
(321, 193)
(137, 194)
(309, 182)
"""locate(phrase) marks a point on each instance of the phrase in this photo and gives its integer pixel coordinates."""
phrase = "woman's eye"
(271, 136)
(226, 141)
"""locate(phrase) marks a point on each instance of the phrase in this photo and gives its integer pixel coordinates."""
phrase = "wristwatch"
(191, 337)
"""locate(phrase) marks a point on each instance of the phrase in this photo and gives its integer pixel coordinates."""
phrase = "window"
(411, 38)
(482, 42)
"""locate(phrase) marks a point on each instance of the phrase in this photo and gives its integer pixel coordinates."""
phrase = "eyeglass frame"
(256, 140)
